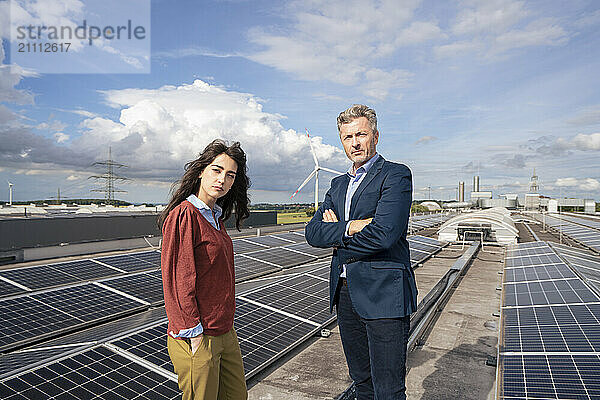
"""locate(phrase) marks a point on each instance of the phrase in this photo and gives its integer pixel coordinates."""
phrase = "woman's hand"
(195, 343)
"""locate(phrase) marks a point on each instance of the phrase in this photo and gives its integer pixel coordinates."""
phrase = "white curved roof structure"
(494, 224)
(431, 205)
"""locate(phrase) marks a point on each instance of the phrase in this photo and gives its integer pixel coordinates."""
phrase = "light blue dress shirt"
(207, 213)
(356, 177)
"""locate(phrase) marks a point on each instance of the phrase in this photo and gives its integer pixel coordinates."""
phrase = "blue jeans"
(375, 351)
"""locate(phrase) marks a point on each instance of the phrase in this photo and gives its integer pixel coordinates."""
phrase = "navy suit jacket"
(380, 280)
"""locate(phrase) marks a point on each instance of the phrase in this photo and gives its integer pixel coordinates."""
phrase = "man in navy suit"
(364, 218)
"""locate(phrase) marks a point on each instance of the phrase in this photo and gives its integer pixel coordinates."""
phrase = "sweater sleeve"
(179, 273)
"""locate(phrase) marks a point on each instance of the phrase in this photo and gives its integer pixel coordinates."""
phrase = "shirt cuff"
(189, 333)
(347, 232)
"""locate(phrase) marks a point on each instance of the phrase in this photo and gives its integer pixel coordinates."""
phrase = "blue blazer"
(380, 280)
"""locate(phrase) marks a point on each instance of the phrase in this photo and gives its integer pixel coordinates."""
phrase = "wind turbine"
(315, 173)
(10, 185)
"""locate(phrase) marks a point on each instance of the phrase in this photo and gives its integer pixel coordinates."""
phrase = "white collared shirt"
(356, 178)
(206, 211)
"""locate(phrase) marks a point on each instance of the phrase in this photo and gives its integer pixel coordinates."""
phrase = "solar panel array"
(46, 314)
(582, 221)
(26, 279)
(587, 264)
(584, 231)
(137, 364)
(97, 373)
(270, 320)
(550, 329)
(255, 256)
(422, 247)
(419, 222)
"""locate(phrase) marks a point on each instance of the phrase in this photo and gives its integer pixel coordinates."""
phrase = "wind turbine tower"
(314, 173)
(10, 186)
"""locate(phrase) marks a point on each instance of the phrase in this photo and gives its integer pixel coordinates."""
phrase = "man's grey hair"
(357, 111)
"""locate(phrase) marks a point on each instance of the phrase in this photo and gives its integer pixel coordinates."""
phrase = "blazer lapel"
(373, 171)
(339, 197)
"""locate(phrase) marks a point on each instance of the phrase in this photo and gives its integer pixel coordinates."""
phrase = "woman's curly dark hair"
(237, 197)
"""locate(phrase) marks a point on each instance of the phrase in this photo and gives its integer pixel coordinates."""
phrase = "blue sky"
(494, 87)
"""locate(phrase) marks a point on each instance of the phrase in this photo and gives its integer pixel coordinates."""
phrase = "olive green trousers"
(214, 372)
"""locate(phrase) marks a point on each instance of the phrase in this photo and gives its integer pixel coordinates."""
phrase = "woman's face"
(216, 179)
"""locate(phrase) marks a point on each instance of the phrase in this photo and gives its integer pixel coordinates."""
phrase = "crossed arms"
(367, 237)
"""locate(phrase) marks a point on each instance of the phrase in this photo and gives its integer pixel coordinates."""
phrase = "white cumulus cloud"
(160, 129)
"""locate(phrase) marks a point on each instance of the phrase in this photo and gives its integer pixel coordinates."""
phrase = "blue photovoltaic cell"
(6, 289)
(548, 292)
(539, 273)
(550, 328)
(97, 373)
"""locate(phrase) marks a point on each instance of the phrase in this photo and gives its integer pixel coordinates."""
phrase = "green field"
(292, 218)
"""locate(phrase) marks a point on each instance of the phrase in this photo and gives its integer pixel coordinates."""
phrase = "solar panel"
(149, 344)
(550, 330)
(426, 240)
(152, 257)
(586, 263)
(308, 249)
(265, 335)
(270, 241)
(587, 235)
(422, 247)
(85, 269)
(28, 317)
(322, 271)
(241, 246)
(142, 286)
(304, 296)
(574, 328)
(25, 318)
(538, 273)
(98, 373)
(109, 330)
(282, 257)
(550, 376)
(548, 292)
(6, 289)
(87, 302)
(15, 362)
(127, 262)
(38, 277)
(246, 268)
(542, 259)
(290, 236)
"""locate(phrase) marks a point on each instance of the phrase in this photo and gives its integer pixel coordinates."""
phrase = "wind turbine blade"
(304, 183)
(332, 171)
(312, 150)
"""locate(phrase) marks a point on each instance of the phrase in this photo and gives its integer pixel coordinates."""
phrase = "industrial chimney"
(461, 191)
(476, 183)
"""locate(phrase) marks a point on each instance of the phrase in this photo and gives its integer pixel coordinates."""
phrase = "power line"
(109, 178)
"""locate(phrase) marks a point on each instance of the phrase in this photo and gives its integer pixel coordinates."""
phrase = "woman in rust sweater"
(198, 274)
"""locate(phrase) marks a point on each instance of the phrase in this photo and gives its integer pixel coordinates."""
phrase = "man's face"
(359, 140)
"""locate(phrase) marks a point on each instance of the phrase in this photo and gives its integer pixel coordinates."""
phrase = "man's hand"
(195, 343)
(357, 225)
(329, 216)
